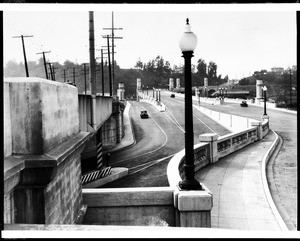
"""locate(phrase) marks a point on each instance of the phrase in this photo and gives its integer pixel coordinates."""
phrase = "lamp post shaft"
(265, 102)
(189, 181)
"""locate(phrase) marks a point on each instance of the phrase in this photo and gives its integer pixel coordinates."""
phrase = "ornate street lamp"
(265, 99)
(187, 44)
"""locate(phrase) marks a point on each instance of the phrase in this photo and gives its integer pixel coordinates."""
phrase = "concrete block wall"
(42, 168)
(63, 196)
(43, 114)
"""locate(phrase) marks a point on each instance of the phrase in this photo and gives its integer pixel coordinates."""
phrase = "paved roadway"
(161, 136)
(157, 140)
(281, 170)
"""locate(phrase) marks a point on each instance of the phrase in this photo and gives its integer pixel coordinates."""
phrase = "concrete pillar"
(138, 84)
(177, 83)
(258, 124)
(212, 139)
(205, 82)
(171, 84)
(121, 91)
(193, 208)
(259, 96)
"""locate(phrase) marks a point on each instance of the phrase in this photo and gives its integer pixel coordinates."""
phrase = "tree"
(201, 71)
(212, 73)
(139, 64)
(156, 70)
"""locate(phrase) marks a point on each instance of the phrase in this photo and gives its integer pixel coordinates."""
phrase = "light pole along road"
(157, 140)
(281, 170)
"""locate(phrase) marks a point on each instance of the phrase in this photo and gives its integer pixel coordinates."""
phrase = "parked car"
(144, 114)
(244, 104)
(172, 96)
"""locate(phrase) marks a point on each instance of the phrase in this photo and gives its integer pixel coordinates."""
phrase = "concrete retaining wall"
(43, 114)
(130, 206)
(42, 170)
(7, 121)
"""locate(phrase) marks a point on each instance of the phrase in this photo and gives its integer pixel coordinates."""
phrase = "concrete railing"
(146, 98)
(213, 147)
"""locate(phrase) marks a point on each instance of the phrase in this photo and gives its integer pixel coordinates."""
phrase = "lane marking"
(166, 140)
(149, 164)
(203, 122)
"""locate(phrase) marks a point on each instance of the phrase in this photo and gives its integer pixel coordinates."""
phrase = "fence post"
(211, 138)
(258, 125)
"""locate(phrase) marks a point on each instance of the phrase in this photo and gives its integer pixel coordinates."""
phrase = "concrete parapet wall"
(7, 121)
(43, 114)
(42, 171)
(103, 103)
(129, 206)
(229, 121)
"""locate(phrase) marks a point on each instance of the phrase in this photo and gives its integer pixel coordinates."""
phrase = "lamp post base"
(190, 185)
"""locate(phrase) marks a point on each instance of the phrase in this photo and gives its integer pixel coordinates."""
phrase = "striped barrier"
(95, 175)
(99, 149)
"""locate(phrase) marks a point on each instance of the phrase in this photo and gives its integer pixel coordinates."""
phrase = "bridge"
(43, 147)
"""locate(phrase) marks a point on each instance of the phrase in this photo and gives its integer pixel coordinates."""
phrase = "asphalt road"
(157, 140)
(282, 168)
(162, 135)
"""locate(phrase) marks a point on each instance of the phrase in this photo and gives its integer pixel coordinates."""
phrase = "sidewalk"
(241, 197)
(128, 139)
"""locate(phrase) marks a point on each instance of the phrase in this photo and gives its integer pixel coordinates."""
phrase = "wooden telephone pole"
(113, 51)
(45, 64)
(24, 53)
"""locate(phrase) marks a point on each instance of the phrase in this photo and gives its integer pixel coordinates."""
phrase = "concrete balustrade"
(153, 101)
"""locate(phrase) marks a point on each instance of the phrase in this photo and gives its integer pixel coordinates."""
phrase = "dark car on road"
(244, 104)
(172, 95)
(144, 114)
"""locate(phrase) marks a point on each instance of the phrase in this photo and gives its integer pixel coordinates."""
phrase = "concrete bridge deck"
(241, 197)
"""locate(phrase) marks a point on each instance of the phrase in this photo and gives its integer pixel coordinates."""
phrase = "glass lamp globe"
(188, 40)
(265, 88)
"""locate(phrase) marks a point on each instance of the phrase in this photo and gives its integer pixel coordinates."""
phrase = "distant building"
(277, 70)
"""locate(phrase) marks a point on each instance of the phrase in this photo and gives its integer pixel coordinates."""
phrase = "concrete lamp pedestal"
(193, 208)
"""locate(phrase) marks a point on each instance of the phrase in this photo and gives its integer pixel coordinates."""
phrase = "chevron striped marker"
(95, 175)
(99, 150)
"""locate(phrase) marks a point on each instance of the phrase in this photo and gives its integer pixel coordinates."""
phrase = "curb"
(270, 200)
(126, 115)
(116, 173)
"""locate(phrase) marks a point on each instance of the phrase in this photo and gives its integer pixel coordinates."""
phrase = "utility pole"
(45, 64)
(64, 75)
(84, 71)
(109, 67)
(290, 86)
(102, 72)
(113, 51)
(24, 53)
(74, 76)
(51, 71)
(92, 53)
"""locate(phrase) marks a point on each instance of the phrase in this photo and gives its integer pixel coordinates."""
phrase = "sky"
(239, 38)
